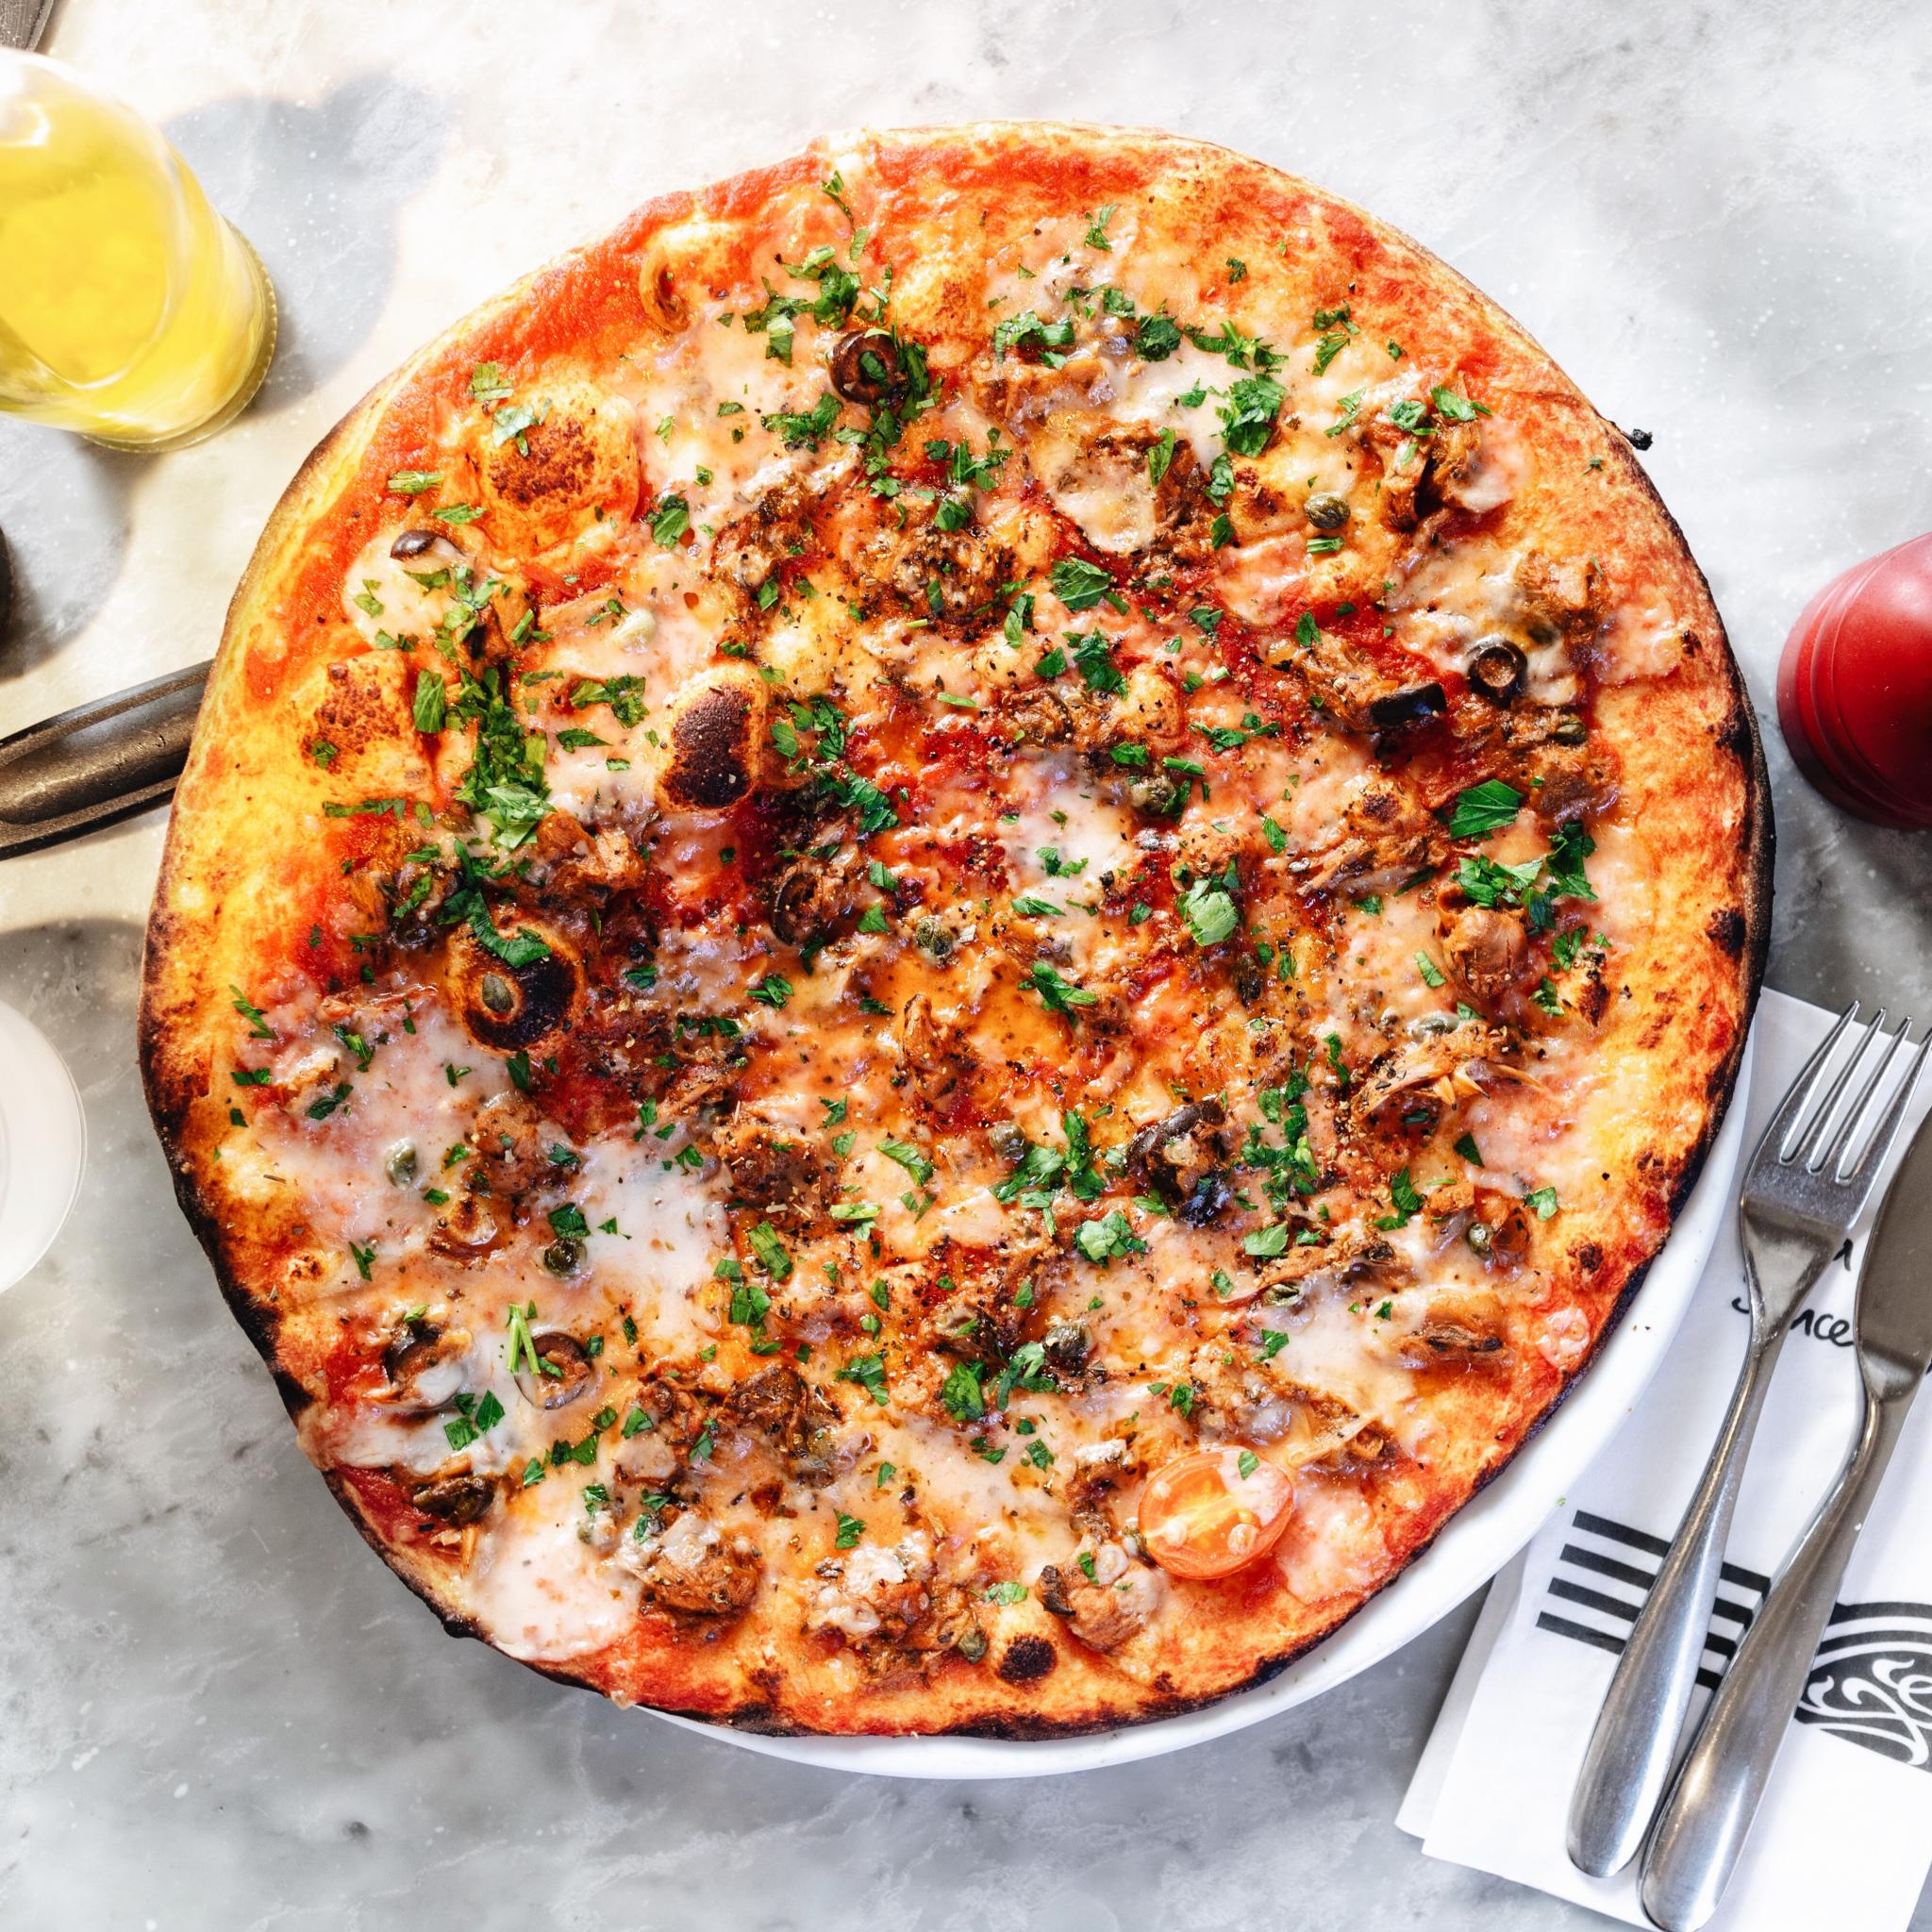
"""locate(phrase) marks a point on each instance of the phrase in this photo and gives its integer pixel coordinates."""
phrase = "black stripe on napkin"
(1870, 1682)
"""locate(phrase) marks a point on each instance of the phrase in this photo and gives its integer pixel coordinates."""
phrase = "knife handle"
(97, 762)
(1634, 1742)
(1707, 1812)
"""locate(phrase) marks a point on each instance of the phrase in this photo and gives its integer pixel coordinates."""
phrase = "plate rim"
(1478, 1542)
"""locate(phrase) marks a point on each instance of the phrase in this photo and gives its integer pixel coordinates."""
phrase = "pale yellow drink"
(128, 308)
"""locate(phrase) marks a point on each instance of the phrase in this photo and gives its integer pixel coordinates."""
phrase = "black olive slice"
(1414, 704)
(866, 367)
(1496, 669)
(509, 1007)
(562, 1374)
(412, 544)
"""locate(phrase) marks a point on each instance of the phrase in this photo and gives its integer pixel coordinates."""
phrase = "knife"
(1708, 1811)
(97, 762)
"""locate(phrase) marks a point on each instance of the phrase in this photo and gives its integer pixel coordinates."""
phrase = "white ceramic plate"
(1475, 1544)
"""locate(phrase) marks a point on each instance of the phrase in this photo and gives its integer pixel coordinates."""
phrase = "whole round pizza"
(943, 932)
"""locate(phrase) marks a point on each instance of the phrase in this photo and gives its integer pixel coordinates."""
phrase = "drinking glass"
(129, 309)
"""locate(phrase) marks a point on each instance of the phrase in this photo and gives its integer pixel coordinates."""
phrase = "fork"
(1802, 1192)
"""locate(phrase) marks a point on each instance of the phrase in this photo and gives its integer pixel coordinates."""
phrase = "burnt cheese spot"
(562, 463)
(1725, 930)
(712, 750)
(1027, 1658)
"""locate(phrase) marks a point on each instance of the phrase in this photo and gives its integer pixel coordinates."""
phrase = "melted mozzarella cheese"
(540, 1588)
(383, 596)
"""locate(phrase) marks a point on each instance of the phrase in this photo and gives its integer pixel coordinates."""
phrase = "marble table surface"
(219, 1710)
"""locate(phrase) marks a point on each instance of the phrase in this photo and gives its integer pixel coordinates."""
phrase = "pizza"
(943, 932)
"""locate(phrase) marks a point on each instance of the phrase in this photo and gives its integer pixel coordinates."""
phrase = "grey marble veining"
(220, 1711)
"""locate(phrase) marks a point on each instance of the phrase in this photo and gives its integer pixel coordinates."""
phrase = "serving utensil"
(97, 762)
(1707, 1813)
(1803, 1190)
(23, 23)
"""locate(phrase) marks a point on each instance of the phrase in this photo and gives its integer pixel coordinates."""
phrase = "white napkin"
(1844, 1837)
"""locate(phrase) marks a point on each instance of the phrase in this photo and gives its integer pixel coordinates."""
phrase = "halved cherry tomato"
(1211, 1511)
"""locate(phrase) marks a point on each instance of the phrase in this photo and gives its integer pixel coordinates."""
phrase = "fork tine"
(1834, 1155)
(1820, 1123)
(1791, 1110)
(1886, 1132)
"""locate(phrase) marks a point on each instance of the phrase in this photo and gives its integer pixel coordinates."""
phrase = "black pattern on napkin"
(1871, 1683)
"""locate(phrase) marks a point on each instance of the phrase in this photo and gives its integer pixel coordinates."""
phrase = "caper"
(496, 993)
(401, 1164)
(564, 1256)
(1325, 510)
(934, 938)
(1571, 729)
(972, 1645)
(1068, 1346)
(1478, 1235)
(1009, 1143)
(1160, 796)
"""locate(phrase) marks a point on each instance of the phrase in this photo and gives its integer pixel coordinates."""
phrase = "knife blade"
(1895, 1295)
(23, 23)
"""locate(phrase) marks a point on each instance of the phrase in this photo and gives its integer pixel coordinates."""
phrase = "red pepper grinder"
(1855, 688)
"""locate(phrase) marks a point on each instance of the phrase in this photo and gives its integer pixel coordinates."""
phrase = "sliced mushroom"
(866, 368)
(1456, 1339)
(423, 1365)
(1486, 950)
(1176, 1154)
(468, 1228)
(563, 1370)
(1496, 669)
(457, 1499)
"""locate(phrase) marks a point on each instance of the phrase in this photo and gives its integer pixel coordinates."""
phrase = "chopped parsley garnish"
(803, 430)
(1112, 1234)
(961, 1393)
(1454, 409)
(1247, 418)
(770, 1251)
(257, 1021)
(909, 1157)
(1403, 1200)
(1210, 913)
(772, 990)
(1080, 585)
(1484, 808)
(1156, 338)
(1060, 994)
(1028, 331)
(1094, 660)
(432, 701)
(670, 521)
(869, 1371)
